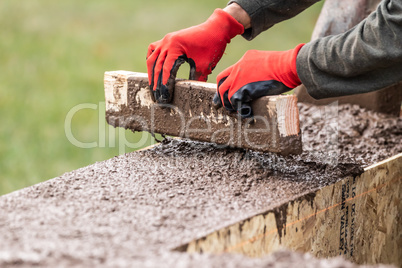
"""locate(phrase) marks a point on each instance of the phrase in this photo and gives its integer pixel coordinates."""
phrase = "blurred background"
(53, 55)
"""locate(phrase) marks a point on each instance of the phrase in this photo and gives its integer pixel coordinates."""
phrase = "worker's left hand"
(256, 74)
(202, 46)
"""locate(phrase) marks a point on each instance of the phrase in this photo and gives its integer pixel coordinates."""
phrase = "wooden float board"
(274, 127)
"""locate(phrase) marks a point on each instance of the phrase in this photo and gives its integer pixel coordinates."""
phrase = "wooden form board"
(274, 128)
(358, 218)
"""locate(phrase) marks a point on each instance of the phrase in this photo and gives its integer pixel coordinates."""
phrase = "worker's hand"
(202, 46)
(256, 74)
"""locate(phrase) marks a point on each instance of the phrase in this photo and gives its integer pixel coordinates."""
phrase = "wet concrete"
(131, 210)
(365, 136)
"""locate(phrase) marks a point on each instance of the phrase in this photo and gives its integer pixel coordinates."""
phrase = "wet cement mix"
(133, 209)
(364, 136)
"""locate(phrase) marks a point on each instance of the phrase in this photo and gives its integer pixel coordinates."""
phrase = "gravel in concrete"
(131, 210)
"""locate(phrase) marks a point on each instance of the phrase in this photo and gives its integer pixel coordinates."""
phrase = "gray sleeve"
(266, 13)
(368, 57)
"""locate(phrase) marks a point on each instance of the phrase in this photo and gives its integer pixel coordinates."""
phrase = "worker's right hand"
(202, 46)
(256, 74)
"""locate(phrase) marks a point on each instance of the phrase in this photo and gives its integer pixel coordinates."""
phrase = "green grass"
(53, 55)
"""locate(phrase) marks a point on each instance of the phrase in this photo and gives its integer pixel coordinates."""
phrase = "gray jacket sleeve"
(365, 58)
(266, 13)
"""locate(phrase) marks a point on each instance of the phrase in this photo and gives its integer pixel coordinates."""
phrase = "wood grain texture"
(274, 127)
(358, 218)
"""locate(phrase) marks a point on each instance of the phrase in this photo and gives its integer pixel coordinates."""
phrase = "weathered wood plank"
(274, 127)
(358, 218)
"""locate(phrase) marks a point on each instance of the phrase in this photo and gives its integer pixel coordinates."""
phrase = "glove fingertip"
(226, 103)
(217, 101)
(244, 110)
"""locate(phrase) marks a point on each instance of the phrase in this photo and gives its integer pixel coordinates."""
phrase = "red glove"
(202, 46)
(257, 74)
